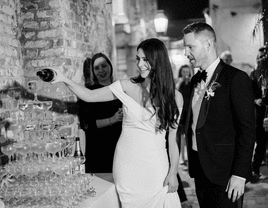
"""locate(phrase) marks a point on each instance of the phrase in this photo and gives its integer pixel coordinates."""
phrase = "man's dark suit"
(225, 131)
(257, 77)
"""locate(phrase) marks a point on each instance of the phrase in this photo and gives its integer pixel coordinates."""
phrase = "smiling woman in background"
(101, 121)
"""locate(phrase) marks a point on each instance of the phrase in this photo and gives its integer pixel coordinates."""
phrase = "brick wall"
(38, 34)
(11, 62)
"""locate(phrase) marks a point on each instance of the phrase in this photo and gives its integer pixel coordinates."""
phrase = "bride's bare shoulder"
(127, 85)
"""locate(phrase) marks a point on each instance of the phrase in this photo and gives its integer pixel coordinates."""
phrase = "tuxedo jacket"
(225, 131)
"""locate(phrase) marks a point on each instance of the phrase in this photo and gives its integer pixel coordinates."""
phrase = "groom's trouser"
(210, 194)
(180, 190)
(261, 140)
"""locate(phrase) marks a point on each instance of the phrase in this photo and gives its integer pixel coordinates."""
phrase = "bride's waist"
(140, 137)
(142, 134)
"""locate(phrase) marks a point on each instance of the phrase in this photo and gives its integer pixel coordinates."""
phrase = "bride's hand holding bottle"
(51, 75)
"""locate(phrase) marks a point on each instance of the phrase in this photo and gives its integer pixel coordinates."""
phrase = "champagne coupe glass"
(31, 170)
(24, 149)
(46, 105)
(45, 170)
(26, 108)
(62, 146)
(17, 171)
(41, 149)
(8, 150)
(18, 146)
(69, 145)
(66, 169)
(33, 87)
(53, 148)
(71, 164)
(35, 149)
(61, 168)
(16, 129)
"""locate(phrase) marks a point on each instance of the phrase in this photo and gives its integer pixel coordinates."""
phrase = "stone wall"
(234, 22)
(140, 26)
(41, 33)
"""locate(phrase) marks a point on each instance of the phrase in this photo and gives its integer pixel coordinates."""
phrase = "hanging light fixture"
(161, 22)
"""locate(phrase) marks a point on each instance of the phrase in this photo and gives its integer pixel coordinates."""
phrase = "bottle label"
(80, 169)
(78, 153)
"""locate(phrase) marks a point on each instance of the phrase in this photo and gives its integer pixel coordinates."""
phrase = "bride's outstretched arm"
(98, 95)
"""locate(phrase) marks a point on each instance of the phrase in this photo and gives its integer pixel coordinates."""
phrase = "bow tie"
(200, 75)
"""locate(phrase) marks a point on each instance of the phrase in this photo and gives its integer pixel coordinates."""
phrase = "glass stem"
(9, 160)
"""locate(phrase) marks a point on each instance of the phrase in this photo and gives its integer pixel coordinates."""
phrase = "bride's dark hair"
(162, 87)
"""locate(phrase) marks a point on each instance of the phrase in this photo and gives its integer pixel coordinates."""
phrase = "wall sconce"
(161, 22)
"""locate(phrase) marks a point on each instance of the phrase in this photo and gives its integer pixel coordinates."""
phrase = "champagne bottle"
(47, 75)
(80, 168)
(77, 151)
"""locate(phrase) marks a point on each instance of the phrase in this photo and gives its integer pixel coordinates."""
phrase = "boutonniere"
(210, 91)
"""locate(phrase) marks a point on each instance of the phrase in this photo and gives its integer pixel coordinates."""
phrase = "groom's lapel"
(205, 102)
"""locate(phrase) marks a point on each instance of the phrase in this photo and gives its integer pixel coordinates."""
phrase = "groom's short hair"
(200, 28)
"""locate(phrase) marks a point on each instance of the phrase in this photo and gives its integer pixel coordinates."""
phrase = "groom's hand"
(235, 188)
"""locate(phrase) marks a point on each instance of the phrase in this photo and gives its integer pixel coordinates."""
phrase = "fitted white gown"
(141, 161)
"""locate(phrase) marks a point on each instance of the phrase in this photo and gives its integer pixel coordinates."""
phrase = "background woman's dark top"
(185, 90)
(100, 142)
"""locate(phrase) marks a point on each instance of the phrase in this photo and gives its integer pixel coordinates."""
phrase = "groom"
(220, 124)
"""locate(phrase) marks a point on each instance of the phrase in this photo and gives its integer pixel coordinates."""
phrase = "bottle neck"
(77, 147)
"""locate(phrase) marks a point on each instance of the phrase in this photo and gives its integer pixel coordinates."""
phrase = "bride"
(144, 173)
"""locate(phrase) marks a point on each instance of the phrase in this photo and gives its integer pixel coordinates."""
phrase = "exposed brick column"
(38, 34)
(63, 33)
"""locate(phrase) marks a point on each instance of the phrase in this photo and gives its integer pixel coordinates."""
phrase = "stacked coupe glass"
(41, 169)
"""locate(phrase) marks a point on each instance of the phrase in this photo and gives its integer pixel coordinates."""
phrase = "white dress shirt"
(198, 97)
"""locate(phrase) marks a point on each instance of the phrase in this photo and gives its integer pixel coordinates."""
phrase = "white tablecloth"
(106, 196)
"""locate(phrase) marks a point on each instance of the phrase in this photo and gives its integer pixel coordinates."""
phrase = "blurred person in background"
(183, 85)
(101, 121)
(226, 56)
(259, 78)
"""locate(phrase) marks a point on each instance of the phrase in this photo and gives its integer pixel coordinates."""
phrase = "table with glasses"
(41, 171)
(81, 191)
(106, 195)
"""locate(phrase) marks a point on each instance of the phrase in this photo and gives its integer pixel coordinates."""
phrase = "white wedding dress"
(141, 161)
